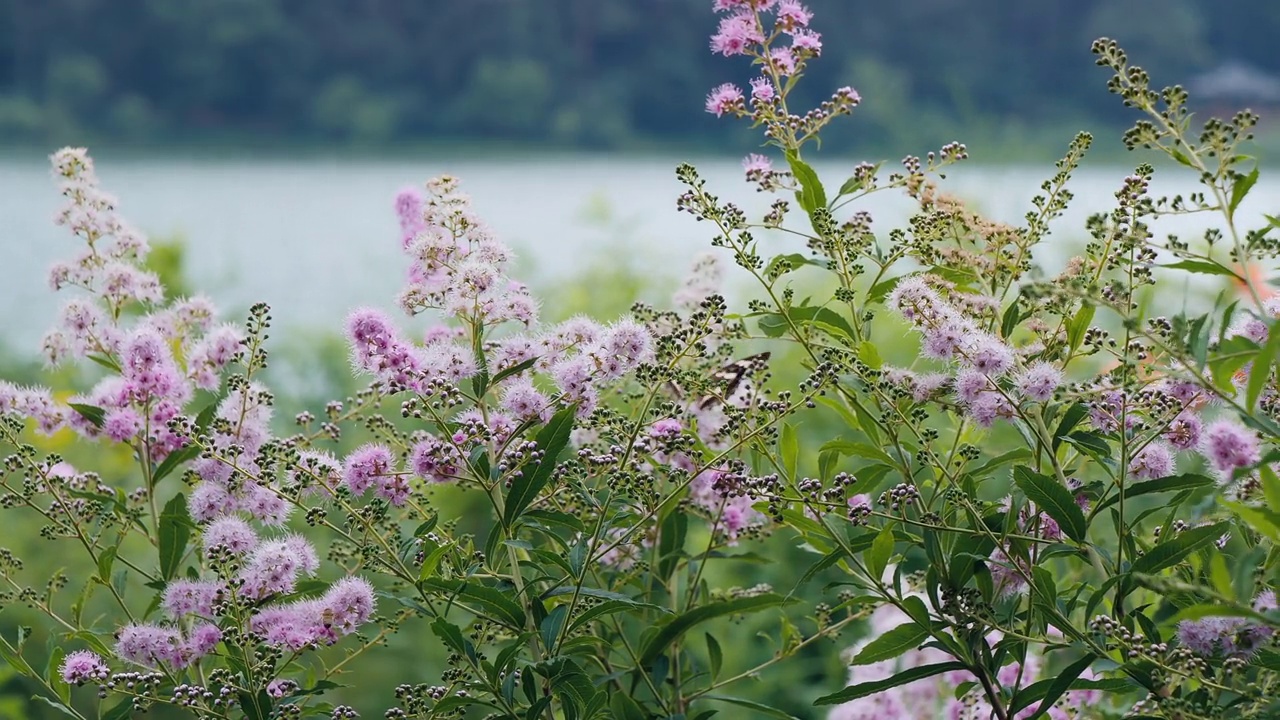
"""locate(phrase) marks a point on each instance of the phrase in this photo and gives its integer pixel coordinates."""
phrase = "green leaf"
(95, 415)
(869, 355)
(122, 710)
(671, 538)
(1261, 371)
(1221, 576)
(910, 675)
(174, 533)
(611, 607)
(811, 194)
(714, 655)
(1270, 485)
(854, 183)
(1201, 267)
(1171, 551)
(1050, 689)
(551, 440)
(104, 361)
(452, 637)
(497, 604)
(513, 370)
(761, 708)
(600, 595)
(1070, 419)
(623, 707)
(1241, 188)
(1173, 483)
(1091, 443)
(1009, 321)
(171, 463)
(656, 644)
(106, 559)
(13, 656)
(1053, 499)
(890, 645)
(205, 418)
(853, 449)
(1261, 519)
(793, 260)
(552, 624)
(789, 448)
(1061, 683)
(60, 707)
(431, 561)
(880, 553)
(1078, 326)
(53, 674)
(881, 290)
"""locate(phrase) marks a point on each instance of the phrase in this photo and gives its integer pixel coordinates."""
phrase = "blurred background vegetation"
(613, 74)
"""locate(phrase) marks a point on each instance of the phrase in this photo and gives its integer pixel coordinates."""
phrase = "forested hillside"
(591, 73)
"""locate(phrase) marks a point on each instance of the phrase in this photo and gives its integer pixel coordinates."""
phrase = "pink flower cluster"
(83, 666)
(980, 360)
(375, 466)
(1231, 637)
(169, 351)
(108, 264)
(458, 265)
(231, 480)
(348, 604)
(153, 645)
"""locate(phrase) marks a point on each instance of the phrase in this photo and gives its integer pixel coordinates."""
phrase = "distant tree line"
(586, 73)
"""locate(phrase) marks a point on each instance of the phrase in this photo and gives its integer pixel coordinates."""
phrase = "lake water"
(315, 237)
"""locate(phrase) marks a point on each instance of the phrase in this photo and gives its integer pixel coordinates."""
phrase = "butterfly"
(731, 381)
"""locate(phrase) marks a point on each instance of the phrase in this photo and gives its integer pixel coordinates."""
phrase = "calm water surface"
(315, 237)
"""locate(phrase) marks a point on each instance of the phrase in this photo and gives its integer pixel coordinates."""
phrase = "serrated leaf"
(1078, 326)
(656, 644)
(513, 370)
(789, 448)
(1009, 321)
(887, 646)
(910, 675)
(1173, 483)
(811, 194)
(105, 362)
(767, 710)
(1050, 689)
(1172, 550)
(552, 624)
(551, 439)
(1261, 371)
(93, 414)
(1201, 267)
(59, 706)
(171, 463)
(1070, 419)
(624, 708)
(122, 710)
(495, 604)
(173, 535)
(714, 655)
(881, 550)
(1054, 500)
(53, 675)
(1241, 188)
